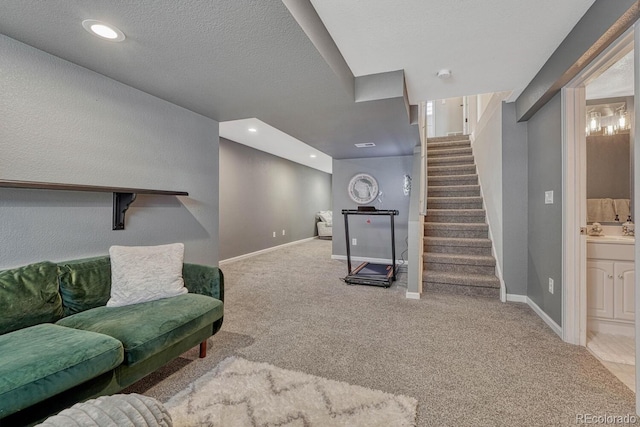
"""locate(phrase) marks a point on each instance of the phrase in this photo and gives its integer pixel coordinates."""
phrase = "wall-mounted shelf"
(122, 197)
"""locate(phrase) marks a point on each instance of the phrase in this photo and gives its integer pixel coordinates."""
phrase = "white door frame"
(574, 209)
(573, 214)
(635, 149)
(574, 292)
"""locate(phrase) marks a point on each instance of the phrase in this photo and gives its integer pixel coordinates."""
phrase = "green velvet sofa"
(60, 344)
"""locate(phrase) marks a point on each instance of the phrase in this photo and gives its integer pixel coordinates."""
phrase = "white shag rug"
(243, 393)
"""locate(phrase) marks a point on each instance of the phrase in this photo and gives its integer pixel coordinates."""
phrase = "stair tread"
(445, 159)
(454, 198)
(447, 145)
(461, 176)
(460, 212)
(475, 280)
(456, 150)
(458, 241)
(435, 168)
(459, 258)
(462, 187)
(436, 139)
(457, 225)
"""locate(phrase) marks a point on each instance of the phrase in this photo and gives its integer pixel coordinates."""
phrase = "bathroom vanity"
(611, 284)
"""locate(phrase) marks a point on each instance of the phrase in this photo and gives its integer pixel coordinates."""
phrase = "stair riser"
(456, 151)
(448, 161)
(454, 205)
(444, 146)
(467, 250)
(465, 219)
(448, 138)
(437, 181)
(461, 234)
(459, 268)
(435, 192)
(445, 288)
(460, 170)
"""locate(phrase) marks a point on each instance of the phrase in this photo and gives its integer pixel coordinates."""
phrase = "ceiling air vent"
(365, 145)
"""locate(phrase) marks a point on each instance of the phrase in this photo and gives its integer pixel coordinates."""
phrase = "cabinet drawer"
(612, 251)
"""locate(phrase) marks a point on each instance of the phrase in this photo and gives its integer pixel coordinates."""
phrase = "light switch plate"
(548, 197)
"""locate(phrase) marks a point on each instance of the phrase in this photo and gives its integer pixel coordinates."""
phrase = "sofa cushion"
(149, 327)
(29, 296)
(84, 284)
(145, 273)
(204, 280)
(43, 360)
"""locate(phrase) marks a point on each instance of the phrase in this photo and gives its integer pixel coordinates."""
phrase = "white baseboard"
(412, 295)
(263, 251)
(366, 259)
(544, 316)
(517, 298)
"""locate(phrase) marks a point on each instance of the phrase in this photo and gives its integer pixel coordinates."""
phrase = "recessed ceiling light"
(365, 145)
(313, 156)
(102, 30)
(252, 130)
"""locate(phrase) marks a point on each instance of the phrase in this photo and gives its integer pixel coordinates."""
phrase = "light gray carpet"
(469, 361)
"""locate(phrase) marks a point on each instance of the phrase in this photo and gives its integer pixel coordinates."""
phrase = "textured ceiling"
(616, 81)
(224, 59)
(489, 45)
(241, 59)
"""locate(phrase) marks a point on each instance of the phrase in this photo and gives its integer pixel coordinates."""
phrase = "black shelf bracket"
(121, 202)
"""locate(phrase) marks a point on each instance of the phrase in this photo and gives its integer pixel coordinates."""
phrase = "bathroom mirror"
(608, 160)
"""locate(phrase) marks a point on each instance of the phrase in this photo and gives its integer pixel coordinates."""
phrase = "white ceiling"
(271, 140)
(489, 45)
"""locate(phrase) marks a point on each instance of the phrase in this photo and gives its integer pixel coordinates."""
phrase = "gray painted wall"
(261, 193)
(514, 201)
(608, 167)
(64, 123)
(544, 142)
(374, 239)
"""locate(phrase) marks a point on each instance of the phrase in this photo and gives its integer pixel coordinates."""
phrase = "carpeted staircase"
(457, 248)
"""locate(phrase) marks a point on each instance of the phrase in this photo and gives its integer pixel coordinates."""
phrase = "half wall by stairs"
(457, 249)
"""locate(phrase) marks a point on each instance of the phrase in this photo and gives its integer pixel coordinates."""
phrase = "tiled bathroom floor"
(616, 353)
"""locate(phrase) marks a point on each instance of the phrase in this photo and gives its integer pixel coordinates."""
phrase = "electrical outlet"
(548, 197)
(354, 241)
(283, 232)
(274, 234)
(550, 285)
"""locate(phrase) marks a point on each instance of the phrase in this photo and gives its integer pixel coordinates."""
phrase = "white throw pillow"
(326, 216)
(145, 273)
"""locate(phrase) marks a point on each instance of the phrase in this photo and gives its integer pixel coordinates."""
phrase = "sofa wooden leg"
(203, 349)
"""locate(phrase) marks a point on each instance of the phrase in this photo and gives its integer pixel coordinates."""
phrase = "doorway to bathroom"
(599, 255)
(610, 238)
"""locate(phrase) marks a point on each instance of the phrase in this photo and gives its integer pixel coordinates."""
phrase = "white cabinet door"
(600, 289)
(624, 291)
